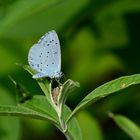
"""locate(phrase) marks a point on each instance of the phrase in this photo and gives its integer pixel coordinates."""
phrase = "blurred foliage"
(127, 125)
(9, 127)
(89, 126)
(99, 41)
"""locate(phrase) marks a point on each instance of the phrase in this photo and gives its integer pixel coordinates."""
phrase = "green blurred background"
(100, 41)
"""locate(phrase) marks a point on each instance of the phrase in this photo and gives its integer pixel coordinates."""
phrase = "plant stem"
(64, 128)
(67, 136)
(58, 109)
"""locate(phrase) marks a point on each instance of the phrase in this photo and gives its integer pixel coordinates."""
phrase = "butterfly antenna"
(64, 76)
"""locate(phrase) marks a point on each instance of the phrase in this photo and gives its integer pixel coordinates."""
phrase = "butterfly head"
(58, 75)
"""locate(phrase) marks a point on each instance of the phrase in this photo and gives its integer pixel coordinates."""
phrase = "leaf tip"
(10, 77)
(110, 114)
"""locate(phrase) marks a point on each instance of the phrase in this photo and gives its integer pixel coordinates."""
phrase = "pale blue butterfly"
(45, 56)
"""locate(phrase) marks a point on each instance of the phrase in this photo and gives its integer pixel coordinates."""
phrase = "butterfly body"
(45, 56)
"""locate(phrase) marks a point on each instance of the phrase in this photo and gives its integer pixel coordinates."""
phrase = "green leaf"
(107, 89)
(40, 104)
(38, 107)
(27, 68)
(43, 83)
(127, 126)
(22, 93)
(20, 111)
(89, 126)
(65, 89)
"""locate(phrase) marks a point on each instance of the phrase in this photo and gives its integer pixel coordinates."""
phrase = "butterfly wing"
(51, 41)
(45, 56)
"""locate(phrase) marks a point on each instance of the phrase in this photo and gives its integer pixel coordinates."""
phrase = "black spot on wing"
(31, 64)
(40, 55)
(30, 58)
